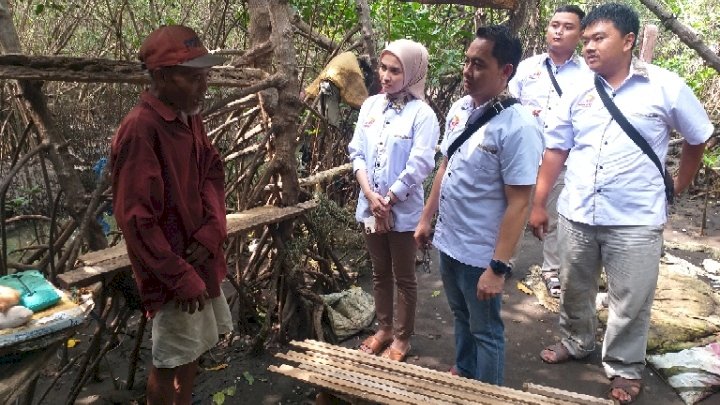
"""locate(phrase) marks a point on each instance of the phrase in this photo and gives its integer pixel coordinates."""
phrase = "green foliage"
(711, 158)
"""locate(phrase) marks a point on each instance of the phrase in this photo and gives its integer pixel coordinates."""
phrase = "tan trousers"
(393, 259)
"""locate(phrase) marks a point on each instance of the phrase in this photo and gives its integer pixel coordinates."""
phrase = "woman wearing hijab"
(392, 152)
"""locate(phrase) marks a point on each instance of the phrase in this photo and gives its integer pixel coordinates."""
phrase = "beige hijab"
(414, 60)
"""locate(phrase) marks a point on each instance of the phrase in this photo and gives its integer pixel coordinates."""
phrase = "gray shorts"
(180, 338)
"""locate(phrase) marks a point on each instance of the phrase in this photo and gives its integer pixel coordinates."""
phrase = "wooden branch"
(249, 57)
(325, 175)
(686, 35)
(495, 4)
(306, 30)
(97, 70)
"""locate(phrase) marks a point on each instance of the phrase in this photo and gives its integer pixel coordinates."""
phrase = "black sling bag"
(637, 138)
(552, 77)
(474, 125)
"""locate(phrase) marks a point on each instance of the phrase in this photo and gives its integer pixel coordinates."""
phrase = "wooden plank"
(101, 264)
(335, 385)
(414, 371)
(99, 256)
(565, 395)
(416, 385)
(260, 216)
(371, 384)
(84, 276)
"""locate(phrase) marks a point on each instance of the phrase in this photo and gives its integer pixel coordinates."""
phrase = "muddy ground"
(529, 327)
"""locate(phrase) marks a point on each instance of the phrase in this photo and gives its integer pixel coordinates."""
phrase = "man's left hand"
(197, 254)
(489, 285)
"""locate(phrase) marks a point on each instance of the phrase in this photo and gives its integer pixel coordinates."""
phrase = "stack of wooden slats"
(359, 377)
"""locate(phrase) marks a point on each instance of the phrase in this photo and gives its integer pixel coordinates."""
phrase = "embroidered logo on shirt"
(369, 122)
(536, 74)
(587, 101)
(454, 122)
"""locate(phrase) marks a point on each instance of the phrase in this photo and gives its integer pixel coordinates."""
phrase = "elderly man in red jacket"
(169, 202)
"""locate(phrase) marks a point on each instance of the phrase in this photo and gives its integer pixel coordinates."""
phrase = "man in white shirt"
(482, 192)
(613, 207)
(538, 84)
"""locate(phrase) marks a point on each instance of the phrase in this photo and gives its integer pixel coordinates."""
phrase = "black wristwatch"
(500, 268)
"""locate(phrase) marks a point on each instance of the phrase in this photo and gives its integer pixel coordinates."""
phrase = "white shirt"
(533, 87)
(609, 180)
(397, 150)
(472, 194)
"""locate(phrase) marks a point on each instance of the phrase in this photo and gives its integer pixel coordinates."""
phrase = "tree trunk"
(686, 35)
(285, 121)
(58, 155)
(368, 37)
(524, 22)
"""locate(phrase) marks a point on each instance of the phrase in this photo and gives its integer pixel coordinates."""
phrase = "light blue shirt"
(397, 151)
(609, 180)
(533, 87)
(505, 151)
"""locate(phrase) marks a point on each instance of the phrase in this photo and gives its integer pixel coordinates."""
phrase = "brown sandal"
(373, 345)
(561, 354)
(631, 387)
(395, 354)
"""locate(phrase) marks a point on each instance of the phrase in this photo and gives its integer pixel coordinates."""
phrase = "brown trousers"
(393, 259)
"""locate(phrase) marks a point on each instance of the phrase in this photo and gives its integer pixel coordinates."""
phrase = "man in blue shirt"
(613, 207)
(482, 193)
(538, 84)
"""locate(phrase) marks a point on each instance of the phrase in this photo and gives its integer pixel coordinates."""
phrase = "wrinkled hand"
(378, 206)
(538, 222)
(192, 304)
(196, 254)
(422, 235)
(489, 285)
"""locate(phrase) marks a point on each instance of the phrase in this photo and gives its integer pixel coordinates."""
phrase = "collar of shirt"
(575, 58)
(638, 68)
(167, 113)
(397, 103)
(469, 104)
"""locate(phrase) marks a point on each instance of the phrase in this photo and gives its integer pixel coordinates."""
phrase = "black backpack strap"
(633, 133)
(473, 126)
(552, 77)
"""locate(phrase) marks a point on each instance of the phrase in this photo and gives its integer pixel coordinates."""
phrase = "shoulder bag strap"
(552, 77)
(473, 126)
(627, 126)
(630, 130)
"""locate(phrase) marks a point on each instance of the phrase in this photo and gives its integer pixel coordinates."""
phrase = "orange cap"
(176, 45)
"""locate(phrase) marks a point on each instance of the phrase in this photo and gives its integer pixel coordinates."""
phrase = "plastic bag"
(36, 293)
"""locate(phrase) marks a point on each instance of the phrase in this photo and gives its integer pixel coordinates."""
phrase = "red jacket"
(168, 191)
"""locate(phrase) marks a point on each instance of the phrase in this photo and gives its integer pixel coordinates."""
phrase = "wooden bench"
(361, 378)
(104, 264)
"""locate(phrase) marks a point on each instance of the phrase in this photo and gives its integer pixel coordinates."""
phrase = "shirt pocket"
(400, 145)
(645, 121)
(485, 159)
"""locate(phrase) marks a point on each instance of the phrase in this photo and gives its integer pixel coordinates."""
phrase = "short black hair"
(624, 18)
(571, 8)
(506, 47)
